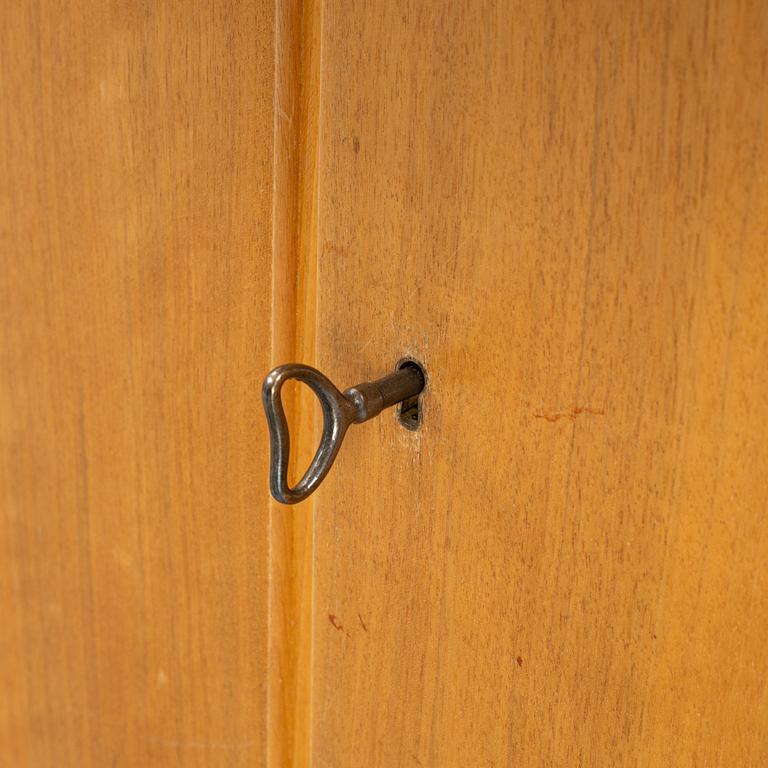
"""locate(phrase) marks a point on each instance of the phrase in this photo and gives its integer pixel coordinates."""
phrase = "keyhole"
(409, 410)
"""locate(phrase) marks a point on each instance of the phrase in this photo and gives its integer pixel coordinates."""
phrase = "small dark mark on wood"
(519, 661)
(335, 623)
(571, 414)
(338, 626)
(362, 623)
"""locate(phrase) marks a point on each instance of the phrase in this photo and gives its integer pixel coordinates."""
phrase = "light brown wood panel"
(562, 210)
(136, 152)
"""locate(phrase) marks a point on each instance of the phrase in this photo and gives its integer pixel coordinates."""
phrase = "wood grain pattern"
(136, 150)
(562, 209)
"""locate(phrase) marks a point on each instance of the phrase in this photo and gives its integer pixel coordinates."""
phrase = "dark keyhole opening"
(409, 410)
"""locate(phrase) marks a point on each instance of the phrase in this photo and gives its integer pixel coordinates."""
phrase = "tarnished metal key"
(340, 410)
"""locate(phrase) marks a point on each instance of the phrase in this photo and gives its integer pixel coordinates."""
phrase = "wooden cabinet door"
(561, 209)
(136, 154)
